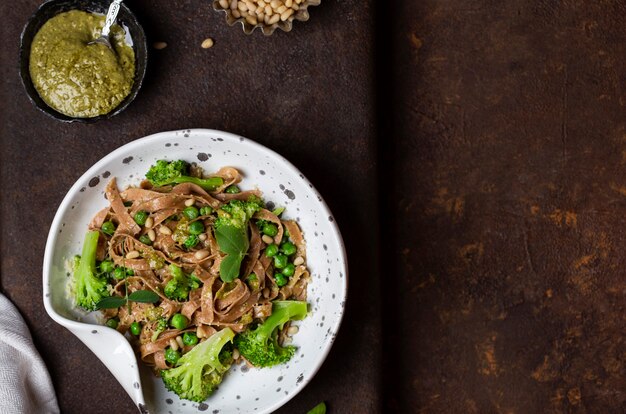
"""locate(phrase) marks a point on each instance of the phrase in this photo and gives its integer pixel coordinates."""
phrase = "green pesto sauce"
(75, 78)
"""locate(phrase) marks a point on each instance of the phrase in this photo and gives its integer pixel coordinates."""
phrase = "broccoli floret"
(89, 289)
(179, 286)
(176, 172)
(260, 345)
(161, 326)
(199, 372)
(237, 213)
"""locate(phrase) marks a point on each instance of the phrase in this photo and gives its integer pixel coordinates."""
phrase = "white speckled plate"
(243, 390)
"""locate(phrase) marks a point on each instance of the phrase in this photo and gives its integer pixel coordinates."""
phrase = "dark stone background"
(506, 188)
(482, 142)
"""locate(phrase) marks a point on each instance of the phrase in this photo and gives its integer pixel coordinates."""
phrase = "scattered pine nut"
(202, 237)
(165, 230)
(149, 223)
(298, 261)
(173, 344)
(190, 201)
(267, 239)
(201, 254)
(179, 340)
(151, 235)
(133, 254)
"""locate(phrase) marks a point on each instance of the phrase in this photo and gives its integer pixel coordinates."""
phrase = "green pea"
(281, 280)
(271, 250)
(130, 272)
(289, 270)
(191, 212)
(145, 239)
(191, 241)
(205, 211)
(172, 356)
(107, 266)
(141, 217)
(179, 321)
(280, 261)
(270, 229)
(112, 323)
(288, 248)
(108, 228)
(119, 273)
(232, 189)
(190, 338)
(196, 227)
(135, 328)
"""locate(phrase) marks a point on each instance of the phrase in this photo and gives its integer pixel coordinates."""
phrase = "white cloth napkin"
(25, 385)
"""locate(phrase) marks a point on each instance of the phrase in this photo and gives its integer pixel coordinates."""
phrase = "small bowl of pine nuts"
(265, 14)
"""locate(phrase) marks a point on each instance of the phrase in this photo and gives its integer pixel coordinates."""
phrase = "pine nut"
(267, 239)
(242, 6)
(252, 20)
(295, 7)
(292, 330)
(224, 4)
(201, 254)
(200, 332)
(284, 16)
(151, 235)
(268, 11)
(276, 4)
(258, 10)
(206, 44)
(298, 261)
(266, 293)
(159, 45)
(236, 14)
(233, 5)
(179, 340)
(288, 3)
(281, 9)
(133, 254)
(251, 6)
(274, 19)
(173, 344)
(267, 19)
(236, 354)
(190, 201)
(202, 236)
(149, 222)
(165, 230)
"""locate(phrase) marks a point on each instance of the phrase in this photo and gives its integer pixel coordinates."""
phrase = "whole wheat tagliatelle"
(145, 231)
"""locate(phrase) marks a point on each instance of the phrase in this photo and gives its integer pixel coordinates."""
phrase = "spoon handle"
(114, 8)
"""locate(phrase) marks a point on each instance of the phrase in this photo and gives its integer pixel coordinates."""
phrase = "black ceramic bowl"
(51, 8)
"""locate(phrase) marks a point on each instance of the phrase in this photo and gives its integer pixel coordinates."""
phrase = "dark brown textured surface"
(510, 191)
(306, 94)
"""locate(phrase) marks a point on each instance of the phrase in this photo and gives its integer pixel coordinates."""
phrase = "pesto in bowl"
(77, 78)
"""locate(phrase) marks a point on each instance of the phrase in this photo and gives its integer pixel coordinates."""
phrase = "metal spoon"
(114, 8)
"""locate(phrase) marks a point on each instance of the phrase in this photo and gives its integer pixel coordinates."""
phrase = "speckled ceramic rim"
(34, 23)
(301, 15)
(155, 139)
